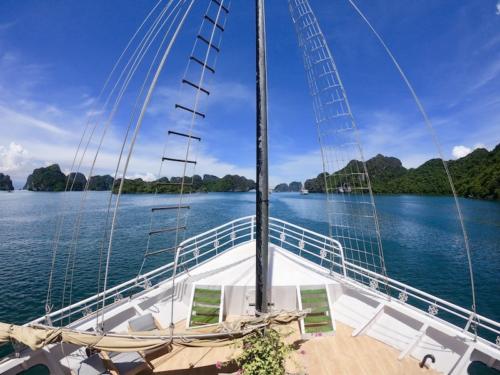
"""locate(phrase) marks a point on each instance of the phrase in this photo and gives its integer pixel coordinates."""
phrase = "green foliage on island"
(52, 179)
(77, 181)
(476, 175)
(46, 179)
(5, 182)
(294, 186)
(196, 184)
(101, 183)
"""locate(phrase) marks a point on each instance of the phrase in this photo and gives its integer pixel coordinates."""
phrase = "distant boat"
(304, 191)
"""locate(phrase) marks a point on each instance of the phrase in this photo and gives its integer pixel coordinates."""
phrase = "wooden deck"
(338, 354)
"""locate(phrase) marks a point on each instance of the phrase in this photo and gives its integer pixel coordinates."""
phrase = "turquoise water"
(421, 237)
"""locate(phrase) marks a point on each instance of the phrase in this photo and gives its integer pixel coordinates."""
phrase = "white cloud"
(148, 176)
(393, 134)
(6, 26)
(479, 145)
(230, 94)
(17, 119)
(460, 151)
(498, 9)
(488, 73)
(13, 157)
(296, 167)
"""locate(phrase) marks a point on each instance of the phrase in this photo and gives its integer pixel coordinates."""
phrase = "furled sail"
(38, 336)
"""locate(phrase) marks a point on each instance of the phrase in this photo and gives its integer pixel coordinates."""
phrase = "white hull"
(225, 257)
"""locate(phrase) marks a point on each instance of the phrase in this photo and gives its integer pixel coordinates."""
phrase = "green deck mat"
(206, 307)
(319, 319)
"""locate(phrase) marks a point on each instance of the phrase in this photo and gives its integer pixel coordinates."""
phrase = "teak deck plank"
(337, 354)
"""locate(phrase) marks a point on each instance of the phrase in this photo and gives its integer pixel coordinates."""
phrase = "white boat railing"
(310, 245)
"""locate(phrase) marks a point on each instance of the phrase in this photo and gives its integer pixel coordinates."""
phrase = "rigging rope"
(176, 9)
(140, 51)
(60, 223)
(130, 122)
(133, 140)
(436, 144)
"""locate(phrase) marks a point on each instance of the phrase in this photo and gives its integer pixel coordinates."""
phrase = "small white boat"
(304, 191)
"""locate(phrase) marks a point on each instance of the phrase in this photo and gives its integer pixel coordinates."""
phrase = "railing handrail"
(137, 279)
(215, 229)
(307, 231)
(238, 229)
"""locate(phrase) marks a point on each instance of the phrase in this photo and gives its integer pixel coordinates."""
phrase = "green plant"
(264, 353)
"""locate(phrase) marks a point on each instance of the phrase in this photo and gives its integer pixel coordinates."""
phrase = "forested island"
(294, 186)
(476, 175)
(196, 184)
(51, 178)
(5, 183)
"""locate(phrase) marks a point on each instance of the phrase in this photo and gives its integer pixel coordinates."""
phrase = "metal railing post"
(343, 260)
(252, 228)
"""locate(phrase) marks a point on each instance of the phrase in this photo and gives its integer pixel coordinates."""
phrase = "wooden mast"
(262, 191)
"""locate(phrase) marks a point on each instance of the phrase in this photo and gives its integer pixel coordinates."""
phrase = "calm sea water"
(421, 237)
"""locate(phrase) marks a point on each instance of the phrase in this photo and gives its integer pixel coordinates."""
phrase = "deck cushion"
(127, 361)
(142, 323)
(92, 366)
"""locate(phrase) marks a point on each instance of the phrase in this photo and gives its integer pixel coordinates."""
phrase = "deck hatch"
(319, 319)
(206, 306)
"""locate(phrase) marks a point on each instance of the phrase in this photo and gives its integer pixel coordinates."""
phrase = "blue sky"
(55, 56)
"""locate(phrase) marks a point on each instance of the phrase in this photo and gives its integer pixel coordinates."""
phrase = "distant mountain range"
(51, 178)
(476, 175)
(198, 184)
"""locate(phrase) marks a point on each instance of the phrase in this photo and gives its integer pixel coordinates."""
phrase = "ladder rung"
(184, 135)
(195, 86)
(195, 59)
(171, 229)
(221, 6)
(190, 110)
(179, 160)
(171, 207)
(208, 43)
(214, 23)
(160, 251)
